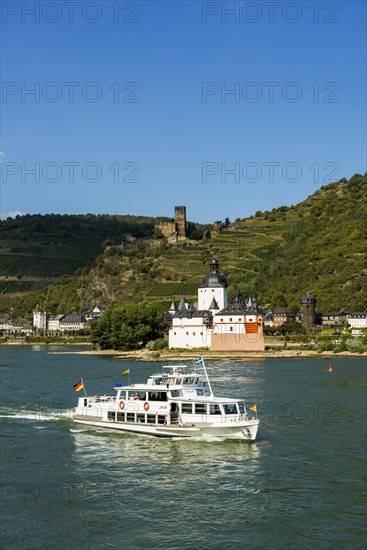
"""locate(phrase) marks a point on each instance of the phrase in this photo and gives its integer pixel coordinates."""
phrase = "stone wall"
(238, 342)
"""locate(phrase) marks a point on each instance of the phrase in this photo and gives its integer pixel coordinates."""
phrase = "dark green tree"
(128, 327)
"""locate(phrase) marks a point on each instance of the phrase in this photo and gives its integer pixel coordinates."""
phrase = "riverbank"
(175, 355)
(167, 355)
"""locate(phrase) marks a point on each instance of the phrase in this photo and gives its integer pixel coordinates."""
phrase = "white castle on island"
(213, 322)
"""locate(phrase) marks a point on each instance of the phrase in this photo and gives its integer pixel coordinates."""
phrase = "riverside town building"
(213, 322)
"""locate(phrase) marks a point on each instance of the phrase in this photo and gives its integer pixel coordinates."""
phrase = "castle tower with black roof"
(214, 286)
(308, 310)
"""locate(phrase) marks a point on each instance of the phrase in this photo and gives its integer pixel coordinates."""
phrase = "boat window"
(230, 408)
(179, 381)
(123, 395)
(130, 417)
(157, 396)
(186, 408)
(111, 415)
(188, 380)
(158, 381)
(161, 419)
(176, 393)
(200, 408)
(140, 417)
(151, 418)
(171, 381)
(120, 417)
(214, 408)
(199, 391)
(241, 407)
(196, 381)
(137, 395)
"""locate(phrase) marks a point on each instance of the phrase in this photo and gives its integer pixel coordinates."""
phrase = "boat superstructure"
(178, 402)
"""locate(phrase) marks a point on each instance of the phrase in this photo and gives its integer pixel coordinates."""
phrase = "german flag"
(79, 386)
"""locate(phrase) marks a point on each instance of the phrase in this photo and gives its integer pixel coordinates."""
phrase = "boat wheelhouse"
(178, 402)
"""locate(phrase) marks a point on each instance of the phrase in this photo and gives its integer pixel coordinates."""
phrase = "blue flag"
(199, 361)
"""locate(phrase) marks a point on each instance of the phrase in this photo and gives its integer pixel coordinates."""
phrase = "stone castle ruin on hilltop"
(175, 231)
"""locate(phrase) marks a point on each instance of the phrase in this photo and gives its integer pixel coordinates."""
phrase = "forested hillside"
(36, 250)
(315, 246)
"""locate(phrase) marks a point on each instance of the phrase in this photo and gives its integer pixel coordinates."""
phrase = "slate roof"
(72, 318)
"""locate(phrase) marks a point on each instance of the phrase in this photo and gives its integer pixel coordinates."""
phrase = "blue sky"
(147, 123)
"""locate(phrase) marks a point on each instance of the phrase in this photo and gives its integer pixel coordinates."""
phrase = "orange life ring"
(122, 405)
(146, 406)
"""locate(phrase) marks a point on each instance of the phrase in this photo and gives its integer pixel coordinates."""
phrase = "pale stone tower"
(180, 220)
(39, 319)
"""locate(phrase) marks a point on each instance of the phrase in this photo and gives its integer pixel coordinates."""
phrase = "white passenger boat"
(178, 402)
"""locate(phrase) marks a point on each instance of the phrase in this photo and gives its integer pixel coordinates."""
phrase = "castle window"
(174, 333)
(221, 320)
(187, 333)
(239, 320)
(201, 333)
(230, 319)
(230, 328)
(193, 333)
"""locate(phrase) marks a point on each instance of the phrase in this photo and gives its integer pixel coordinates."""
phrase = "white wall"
(206, 295)
(358, 322)
(189, 333)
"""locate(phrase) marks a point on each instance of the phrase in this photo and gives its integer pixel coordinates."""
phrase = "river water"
(70, 487)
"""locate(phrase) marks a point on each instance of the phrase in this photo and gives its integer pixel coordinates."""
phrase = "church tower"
(308, 310)
(213, 286)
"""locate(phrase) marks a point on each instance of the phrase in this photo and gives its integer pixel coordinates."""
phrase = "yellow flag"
(253, 408)
(127, 371)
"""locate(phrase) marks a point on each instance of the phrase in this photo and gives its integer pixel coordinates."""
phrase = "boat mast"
(85, 392)
(206, 374)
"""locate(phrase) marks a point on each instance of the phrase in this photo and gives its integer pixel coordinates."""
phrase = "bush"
(160, 343)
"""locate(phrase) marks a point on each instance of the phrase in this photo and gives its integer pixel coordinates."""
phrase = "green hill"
(317, 245)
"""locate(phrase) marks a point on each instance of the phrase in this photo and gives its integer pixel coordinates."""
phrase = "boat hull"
(245, 430)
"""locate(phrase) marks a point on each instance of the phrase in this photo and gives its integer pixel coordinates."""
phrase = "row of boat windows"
(178, 381)
(139, 417)
(199, 391)
(186, 408)
(212, 408)
(144, 396)
(157, 395)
